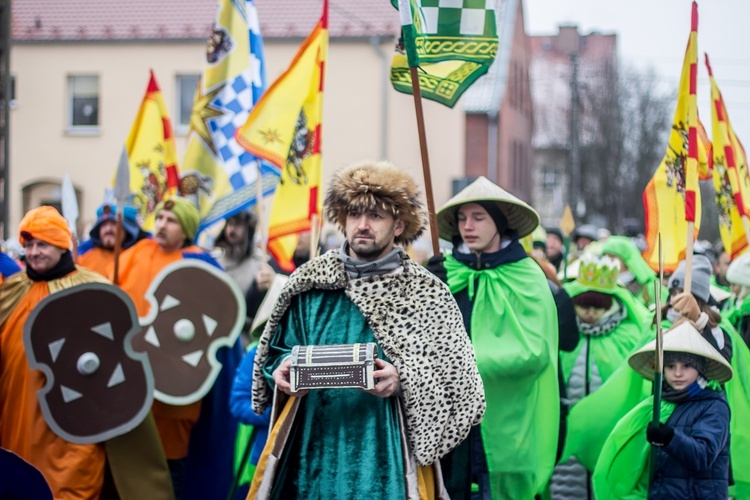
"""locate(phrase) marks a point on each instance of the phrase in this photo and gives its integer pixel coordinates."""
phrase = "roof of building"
(550, 74)
(149, 20)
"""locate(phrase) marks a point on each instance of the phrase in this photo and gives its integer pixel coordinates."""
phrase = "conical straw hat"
(520, 215)
(683, 338)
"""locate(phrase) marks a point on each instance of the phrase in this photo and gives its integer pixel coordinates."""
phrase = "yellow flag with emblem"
(284, 128)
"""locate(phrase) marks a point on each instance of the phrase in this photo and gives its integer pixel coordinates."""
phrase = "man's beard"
(108, 243)
(367, 250)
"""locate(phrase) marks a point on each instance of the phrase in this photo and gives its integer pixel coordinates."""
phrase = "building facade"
(553, 60)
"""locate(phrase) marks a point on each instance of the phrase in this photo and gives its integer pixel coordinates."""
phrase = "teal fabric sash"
(345, 443)
(514, 333)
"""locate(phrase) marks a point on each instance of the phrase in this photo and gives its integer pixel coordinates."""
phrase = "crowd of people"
(518, 365)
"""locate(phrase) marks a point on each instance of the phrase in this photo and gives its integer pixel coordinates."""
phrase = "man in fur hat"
(510, 314)
(98, 252)
(386, 442)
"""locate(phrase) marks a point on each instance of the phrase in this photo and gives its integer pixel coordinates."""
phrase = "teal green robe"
(344, 443)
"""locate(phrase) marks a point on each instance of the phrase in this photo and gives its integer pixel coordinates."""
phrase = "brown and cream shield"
(97, 387)
(195, 309)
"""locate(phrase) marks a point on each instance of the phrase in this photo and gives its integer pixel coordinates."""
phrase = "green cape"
(514, 333)
(609, 351)
(624, 249)
(598, 414)
(623, 467)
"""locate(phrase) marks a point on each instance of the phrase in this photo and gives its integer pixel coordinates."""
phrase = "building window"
(12, 92)
(83, 92)
(47, 192)
(549, 179)
(186, 87)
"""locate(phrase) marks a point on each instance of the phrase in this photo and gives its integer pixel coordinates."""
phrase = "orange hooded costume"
(73, 471)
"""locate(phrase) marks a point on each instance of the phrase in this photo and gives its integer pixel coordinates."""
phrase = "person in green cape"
(610, 321)
(738, 274)
(509, 311)
(635, 273)
(385, 442)
(598, 414)
(692, 436)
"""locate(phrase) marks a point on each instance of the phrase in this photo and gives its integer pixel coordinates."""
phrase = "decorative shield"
(97, 387)
(195, 309)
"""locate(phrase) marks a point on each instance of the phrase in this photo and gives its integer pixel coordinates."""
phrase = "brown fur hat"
(369, 184)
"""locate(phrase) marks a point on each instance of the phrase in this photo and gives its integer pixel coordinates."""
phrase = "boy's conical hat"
(521, 217)
(683, 338)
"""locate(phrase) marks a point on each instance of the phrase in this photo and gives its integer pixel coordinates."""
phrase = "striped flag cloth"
(672, 197)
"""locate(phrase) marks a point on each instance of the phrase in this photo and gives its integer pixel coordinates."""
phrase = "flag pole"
(259, 209)
(689, 257)
(658, 359)
(425, 159)
(407, 27)
(567, 225)
(122, 193)
(70, 212)
(118, 247)
(314, 236)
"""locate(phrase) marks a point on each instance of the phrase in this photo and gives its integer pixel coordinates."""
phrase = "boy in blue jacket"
(693, 454)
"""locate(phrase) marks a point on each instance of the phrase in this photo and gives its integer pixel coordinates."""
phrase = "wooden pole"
(118, 248)
(689, 257)
(259, 209)
(314, 236)
(658, 360)
(75, 248)
(425, 159)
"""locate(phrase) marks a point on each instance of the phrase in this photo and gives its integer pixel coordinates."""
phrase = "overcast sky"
(655, 33)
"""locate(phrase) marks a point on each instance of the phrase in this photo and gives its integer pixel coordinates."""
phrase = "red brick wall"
(476, 145)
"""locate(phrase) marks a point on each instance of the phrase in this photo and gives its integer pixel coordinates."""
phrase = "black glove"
(659, 435)
(435, 266)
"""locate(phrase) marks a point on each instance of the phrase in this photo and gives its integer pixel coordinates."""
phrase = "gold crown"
(598, 272)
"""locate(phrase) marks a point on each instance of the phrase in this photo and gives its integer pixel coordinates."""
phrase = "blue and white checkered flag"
(217, 172)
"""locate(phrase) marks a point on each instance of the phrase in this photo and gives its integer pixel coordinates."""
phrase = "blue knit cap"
(106, 212)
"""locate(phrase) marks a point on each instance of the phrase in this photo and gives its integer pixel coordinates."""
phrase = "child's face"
(590, 315)
(679, 375)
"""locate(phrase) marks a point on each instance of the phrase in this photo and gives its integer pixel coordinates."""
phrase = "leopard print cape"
(418, 325)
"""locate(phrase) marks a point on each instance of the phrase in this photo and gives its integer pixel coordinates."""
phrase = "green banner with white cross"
(453, 42)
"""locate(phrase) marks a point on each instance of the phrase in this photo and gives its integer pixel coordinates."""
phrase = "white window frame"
(182, 122)
(73, 129)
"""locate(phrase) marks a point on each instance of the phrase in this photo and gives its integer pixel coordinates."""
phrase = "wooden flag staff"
(407, 32)
(658, 359)
(259, 208)
(425, 158)
(122, 193)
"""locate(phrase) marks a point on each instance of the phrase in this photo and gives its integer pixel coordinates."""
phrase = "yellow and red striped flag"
(152, 154)
(730, 175)
(672, 197)
(284, 128)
